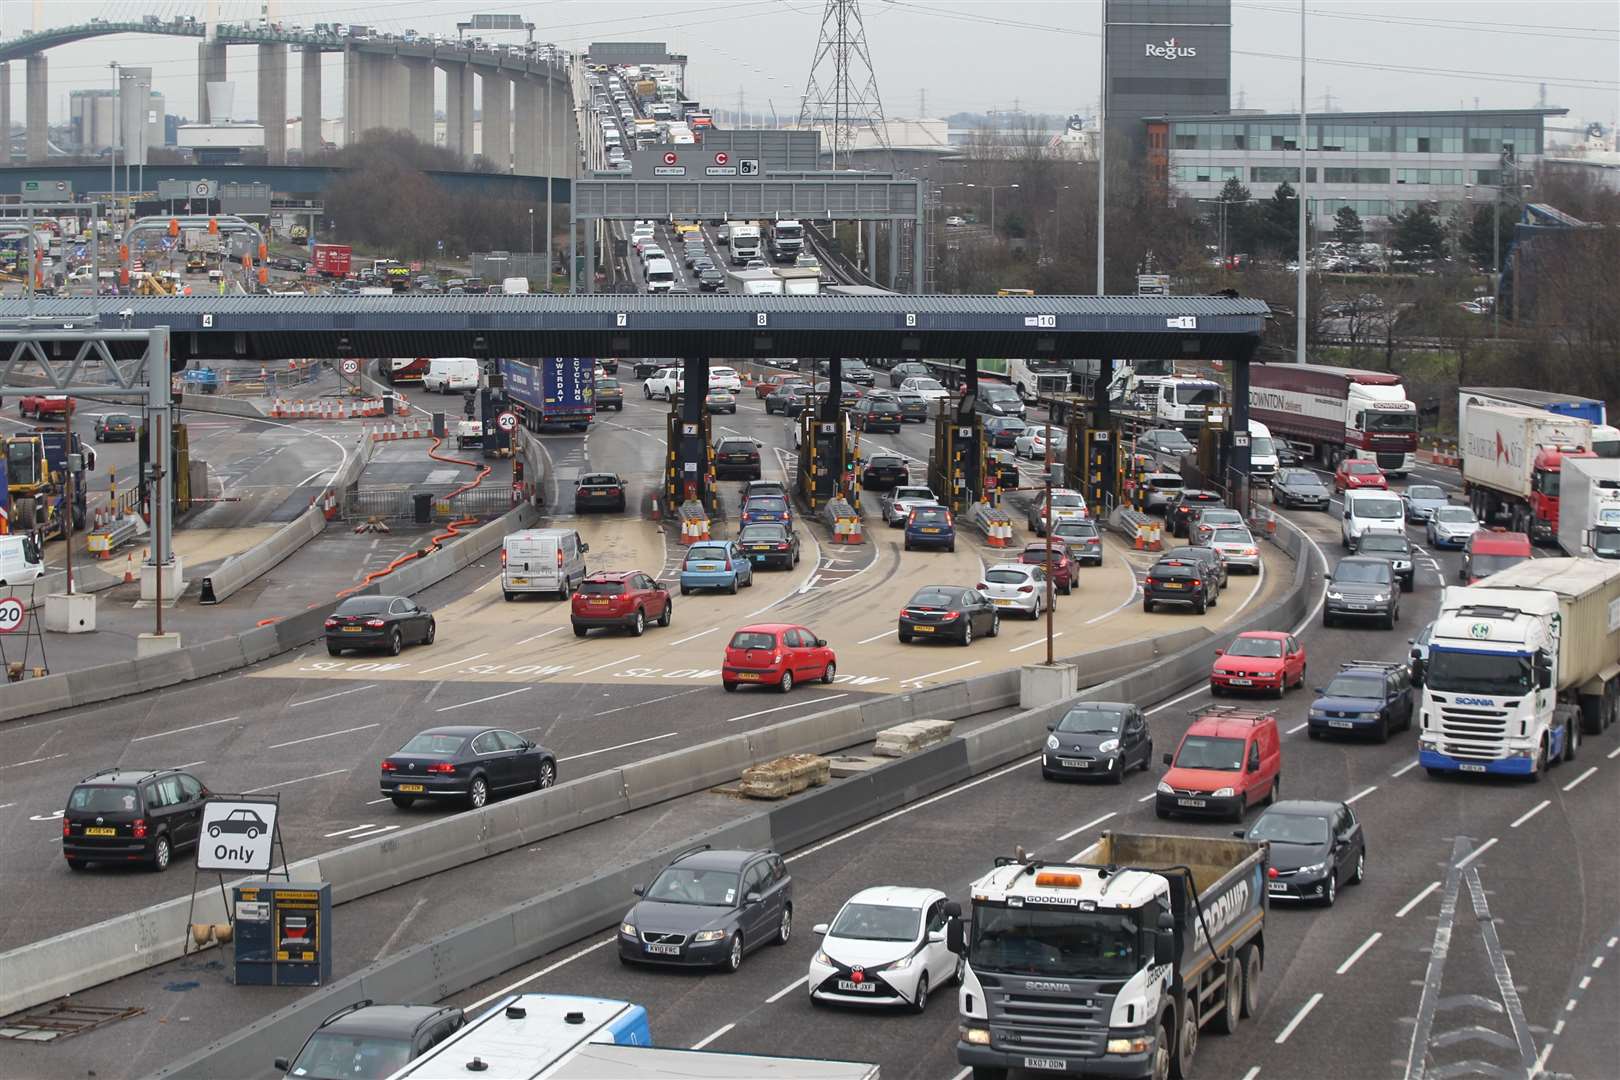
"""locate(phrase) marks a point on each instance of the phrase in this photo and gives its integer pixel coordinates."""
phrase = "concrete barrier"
(222, 406)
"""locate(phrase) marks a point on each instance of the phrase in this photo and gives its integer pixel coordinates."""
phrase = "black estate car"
(1300, 488)
(465, 762)
(378, 622)
(132, 815)
(599, 491)
(366, 1041)
(709, 908)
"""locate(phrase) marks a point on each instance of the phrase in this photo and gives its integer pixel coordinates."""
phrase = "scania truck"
(1112, 964)
(1520, 666)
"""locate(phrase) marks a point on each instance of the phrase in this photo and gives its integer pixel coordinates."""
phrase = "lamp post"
(531, 232)
(993, 189)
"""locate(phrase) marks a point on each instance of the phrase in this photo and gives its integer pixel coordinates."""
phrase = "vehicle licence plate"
(1003, 603)
(410, 788)
(600, 603)
(520, 581)
(1277, 886)
(1190, 802)
(1049, 1064)
(1173, 585)
(1469, 767)
(1074, 763)
(923, 629)
(1356, 607)
(748, 676)
(857, 987)
(353, 629)
(93, 831)
(1242, 682)
(930, 530)
(664, 950)
(1340, 724)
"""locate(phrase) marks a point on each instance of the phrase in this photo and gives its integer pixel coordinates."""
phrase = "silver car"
(1422, 500)
(1212, 518)
(1237, 546)
(1066, 505)
(1451, 526)
(1159, 489)
(1032, 444)
(1017, 587)
(899, 503)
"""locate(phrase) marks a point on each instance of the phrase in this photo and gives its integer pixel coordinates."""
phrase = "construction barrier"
(846, 530)
(694, 522)
(1149, 536)
(994, 523)
(330, 409)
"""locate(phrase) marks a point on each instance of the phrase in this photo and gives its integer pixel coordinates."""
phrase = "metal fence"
(398, 503)
(496, 266)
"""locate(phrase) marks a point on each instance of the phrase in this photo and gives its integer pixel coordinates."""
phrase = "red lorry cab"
(1488, 551)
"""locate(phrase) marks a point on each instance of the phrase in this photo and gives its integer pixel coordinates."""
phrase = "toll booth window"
(332, 1056)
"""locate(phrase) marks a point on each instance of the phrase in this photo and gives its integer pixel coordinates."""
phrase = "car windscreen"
(882, 461)
(1355, 686)
(1454, 514)
(933, 515)
(1172, 442)
(1425, 491)
(926, 384)
(997, 393)
(912, 493)
(1362, 468)
(443, 745)
(333, 1055)
(1462, 672)
(1209, 752)
(1361, 573)
(1069, 501)
(689, 885)
(707, 552)
(1233, 536)
(602, 588)
(607, 384)
(1164, 483)
(1484, 565)
(1082, 529)
(598, 480)
(1391, 544)
(1092, 721)
(103, 799)
(1301, 478)
(1378, 509)
(1262, 647)
(1290, 829)
(1006, 577)
(1057, 944)
(877, 922)
(735, 446)
(753, 639)
(1261, 447)
(768, 505)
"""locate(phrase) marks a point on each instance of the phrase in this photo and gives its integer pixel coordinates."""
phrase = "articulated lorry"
(1512, 458)
(554, 390)
(1605, 438)
(1337, 412)
(1589, 507)
(1520, 666)
(1112, 964)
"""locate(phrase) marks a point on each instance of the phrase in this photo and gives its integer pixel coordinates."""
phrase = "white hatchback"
(1017, 587)
(885, 948)
(724, 378)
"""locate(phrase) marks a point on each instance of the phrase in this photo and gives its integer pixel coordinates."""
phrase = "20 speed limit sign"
(507, 422)
(351, 366)
(13, 613)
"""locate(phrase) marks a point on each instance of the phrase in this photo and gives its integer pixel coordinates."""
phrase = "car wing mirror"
(821, 643)
(281, 1065)
(640, 890)
(754, 898)
(820, 929)
(584, 547)
(956, 936)
(1167, 757)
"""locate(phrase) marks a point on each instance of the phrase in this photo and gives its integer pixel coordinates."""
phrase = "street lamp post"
(993, 189)
(531, 232)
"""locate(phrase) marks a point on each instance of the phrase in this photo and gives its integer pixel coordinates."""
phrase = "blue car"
(930, 526)
(715, 564)
(1364, 698)
(764, 509)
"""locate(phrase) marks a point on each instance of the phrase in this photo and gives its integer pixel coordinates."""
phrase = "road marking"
(1083, 828)
(713, 1035)
(694, 637)
(178, 730)
(547, 970)
(480, 701)
(875, 637)
(1586, 980)
(329, 697)
(290, 783)
(453, 663)
(942, 671)
(192, 764)
(1038, 641)
(1404, 769)
(1359, 794)
(1590, 770)
(1477, 852)
(1299, 727)
(1304, 1011)
(1615, 752)
(620, 746)
(1180, 697)
(1532, 812)
(1149, 797)
(374, 802)
(644, 704)
(374, 832)
(7, 806)
(1416, 900)
(32, 761)
(547, 633)
(1353, 957)
(327, 735)
(780, 708)
(1129, 600)
(610, 663)
(1253, 1072)
(786, 990)
(400, 929)
(353, 828)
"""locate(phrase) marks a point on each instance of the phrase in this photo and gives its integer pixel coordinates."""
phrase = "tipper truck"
(1589, 507)
(1520, 666)
(1511, 460)
(1337, 412)
(1111, 964)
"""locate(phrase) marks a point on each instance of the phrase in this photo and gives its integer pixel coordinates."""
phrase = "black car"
(132, 815)
(949, 611)
(1314, 846)
(909, 369)
(1167, 445)
(873, 413)
(1362, 587)
(378, 622)
(788, 399)
(1366, 697)
(913, 406)
(1397, 549)
(885, 471)
(852, 371)
(599, 491)
(1098, 738)
(770, 543)
(736, 457)
(709, 908)
(465, 763)
(366, 1041)
(1179, 513)
(115, 425)
(1210, 558)
(1183, 582)
(1300, 488)
(710, 279)
(1001, 432)
(646, 369)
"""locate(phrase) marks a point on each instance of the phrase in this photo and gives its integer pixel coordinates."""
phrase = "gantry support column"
(210, 68)
(272, 102)
(419, 98)
(527, 123)
(497, 120)
(5, 110)
(37, 104)
(309, 103)
(458, 109)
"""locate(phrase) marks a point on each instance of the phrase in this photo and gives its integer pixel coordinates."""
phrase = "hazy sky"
(979, 55)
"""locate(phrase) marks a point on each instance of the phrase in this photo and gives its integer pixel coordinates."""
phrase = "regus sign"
(1172, 49)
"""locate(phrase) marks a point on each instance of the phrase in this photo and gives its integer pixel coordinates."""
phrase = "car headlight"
(1312, 870)
(1380, 597)
(707, 935)
(903, 963)
(1138, 1045)
(1051, 742)
(627, 929)
(1165, 789)
(1108, 746)
(823, 959)
(1428, 744)
(1335, 595)
(1222, 793)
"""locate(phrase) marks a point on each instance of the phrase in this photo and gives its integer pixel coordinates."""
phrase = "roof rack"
(352, 1007)
(689, 851)
(1233, 712)
(1390, 664)
(142, 774)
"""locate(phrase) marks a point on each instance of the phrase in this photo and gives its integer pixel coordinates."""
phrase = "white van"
(1369, 512)
(660, 275)
(515, 286)
(451, 374)
(1262, 452)
(20, 562)
(542, 560)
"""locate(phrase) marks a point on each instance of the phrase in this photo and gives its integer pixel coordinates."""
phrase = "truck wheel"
(1227, 1022)
(1572, 739)
(1181, 1061)
(1541, 762)
(1250, 959)
(1161, 1054)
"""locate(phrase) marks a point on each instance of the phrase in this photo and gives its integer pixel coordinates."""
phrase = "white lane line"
(480, 701)
(178, 730)
(964, 1074)
(1083, 828)
(875, 637)
(374, 832)
(786, 990)
(782, 708)
(1305, 1010)
(1530, 813)
(192, 764)
(1259, 581)
(400, 929)
(32, 761)
(547, 633)
(1038, 641)
(1360, 794)
(644, 704)
(1254, 1071)
(1353, 957)
(329, 697)
(1310, 616)
(1614, 753)
(1586, 980)
(610, 663)
(1149, 797)
(453, 663)
(942, 671)
(1416, 900)
(1404, 769)
(327, 735)
(374, 802)
(1476, 853)
(1129, 600)
(1573, 783)
(694, 637)
(353, 828)
(1195, 691)
(620, 746)
(547, 970)
(711, 1036)
(1299, 727)
(290, 783)
(7, 806)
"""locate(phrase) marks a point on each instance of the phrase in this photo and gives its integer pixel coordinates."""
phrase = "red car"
(1259, 660)
(777, 654)
(1061, 567)
(767, 385)
(622, 600)
(1230, 759)
(43, 405)
(1355, 474)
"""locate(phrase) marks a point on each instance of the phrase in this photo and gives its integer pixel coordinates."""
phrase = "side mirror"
(820, 928)
(821, 643)
(1319, 689)
(1164, 947)
(640, 890)
(955, 938)
(584, 547)
(1239, 833)
(1051, 727)
(1417, 673)
(1167, 757)
(953, 910)
(1220, 652)
(754, 898)
(281, 1065)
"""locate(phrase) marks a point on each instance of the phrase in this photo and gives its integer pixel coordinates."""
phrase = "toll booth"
(956, 466)
(688, 474)
(283, 933)
(179, 468)
(824, 456)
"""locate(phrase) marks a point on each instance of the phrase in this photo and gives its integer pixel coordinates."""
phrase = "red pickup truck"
(43, 405)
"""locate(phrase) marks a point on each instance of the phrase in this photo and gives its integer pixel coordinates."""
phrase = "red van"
(1229, 760)
(1490, 550)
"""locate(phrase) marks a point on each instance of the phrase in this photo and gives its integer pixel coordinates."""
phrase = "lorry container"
(774, 281)
(1496, 651)
(1589, 507)
(1173, 928)
(554, 390)
(333, 260)
(1337, 412)
(646, 89)
(1605, 438)
(1511, 460)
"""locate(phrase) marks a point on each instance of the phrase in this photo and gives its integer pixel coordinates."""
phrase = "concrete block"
(785, 776)
(570, 805)
(33, 696)
(148, 646)
(912, 736)
(257, 644)
(852, 765)
(70, 613)
(173, 579)
(1043, 684)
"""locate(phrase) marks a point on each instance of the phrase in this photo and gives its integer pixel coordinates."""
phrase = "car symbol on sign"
(239, 821)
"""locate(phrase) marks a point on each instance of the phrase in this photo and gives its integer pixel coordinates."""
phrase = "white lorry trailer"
(1511, 460)
(1520, 666)
(1589, 507)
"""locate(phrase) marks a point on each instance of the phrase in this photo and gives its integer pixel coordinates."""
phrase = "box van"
(660, 275)
(20, 562)
(1229, 760)
(1371, 511)
(451, 373)
(1490, 550)
(542, 560)
(515, 286)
